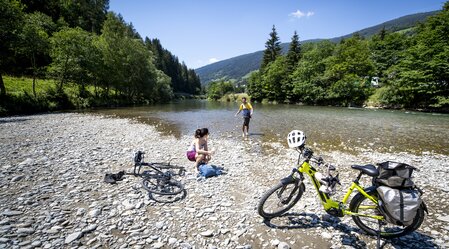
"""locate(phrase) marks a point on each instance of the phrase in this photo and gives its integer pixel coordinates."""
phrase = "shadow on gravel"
(13, 120)
(168, 198)
(311, 220)
(414, 240)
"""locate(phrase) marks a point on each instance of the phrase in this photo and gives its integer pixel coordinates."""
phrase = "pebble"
(72, 237)
(66, 156)
(12, 213)
(208, 233)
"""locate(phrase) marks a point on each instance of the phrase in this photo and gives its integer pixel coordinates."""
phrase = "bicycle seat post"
(357, 180)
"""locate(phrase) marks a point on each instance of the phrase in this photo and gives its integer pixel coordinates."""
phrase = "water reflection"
(329, 128)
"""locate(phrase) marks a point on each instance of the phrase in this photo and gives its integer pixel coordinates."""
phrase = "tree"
(86, 14)
(272, 49)
(275, 80)
(218, 89)
(34, 40)
(309, 83)
(71, 51)
(423, 75)
(387, 50)
(255, 86)
(294, 53)
(10, 23)
(130, 64)
(183, 79)
(351, 61)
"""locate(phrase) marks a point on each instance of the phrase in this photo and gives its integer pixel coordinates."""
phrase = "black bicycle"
(159, 178)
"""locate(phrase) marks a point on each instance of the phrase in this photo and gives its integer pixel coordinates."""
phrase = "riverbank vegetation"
(83, 56)
(401, 70)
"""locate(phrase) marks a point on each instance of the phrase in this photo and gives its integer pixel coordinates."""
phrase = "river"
(327, 128)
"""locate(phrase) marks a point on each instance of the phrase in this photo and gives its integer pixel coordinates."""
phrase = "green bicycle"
(364, 207)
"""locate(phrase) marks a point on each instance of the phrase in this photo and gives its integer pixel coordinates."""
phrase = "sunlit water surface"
(329, 128)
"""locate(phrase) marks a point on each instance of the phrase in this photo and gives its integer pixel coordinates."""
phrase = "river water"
(327, 128)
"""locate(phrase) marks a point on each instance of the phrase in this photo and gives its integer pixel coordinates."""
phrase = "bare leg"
(199, 158)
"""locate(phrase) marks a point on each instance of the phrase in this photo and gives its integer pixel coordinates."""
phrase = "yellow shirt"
(246, 109)
(245, 106)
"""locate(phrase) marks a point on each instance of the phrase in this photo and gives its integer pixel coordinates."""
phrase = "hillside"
(237, 67)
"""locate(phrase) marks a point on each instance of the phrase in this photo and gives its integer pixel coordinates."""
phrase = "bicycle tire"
(371, 226)
(167, 167)
(292, 191)
(159, 186)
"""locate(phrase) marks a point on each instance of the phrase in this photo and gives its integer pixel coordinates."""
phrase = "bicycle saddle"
(368, 169)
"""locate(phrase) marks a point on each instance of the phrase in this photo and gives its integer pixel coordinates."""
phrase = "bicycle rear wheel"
(364, 206)
(161, 186)
(280, 199)
(175, 170)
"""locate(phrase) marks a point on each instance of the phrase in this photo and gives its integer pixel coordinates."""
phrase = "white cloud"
(298, 14)
(212, 60)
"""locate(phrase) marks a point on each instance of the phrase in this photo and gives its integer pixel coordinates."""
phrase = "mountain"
(237, 68)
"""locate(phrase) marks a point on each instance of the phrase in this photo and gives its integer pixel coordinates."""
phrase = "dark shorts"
(246, 121)
(191, 155)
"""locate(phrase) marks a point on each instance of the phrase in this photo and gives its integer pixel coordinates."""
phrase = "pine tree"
(273, 48)
(294, 53)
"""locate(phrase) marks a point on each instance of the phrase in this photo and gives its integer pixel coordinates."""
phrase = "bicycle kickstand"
(379, 245)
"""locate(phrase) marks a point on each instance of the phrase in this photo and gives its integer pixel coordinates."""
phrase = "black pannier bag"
(395, 175)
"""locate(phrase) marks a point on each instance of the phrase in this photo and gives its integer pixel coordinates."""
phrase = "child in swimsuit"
(198, 151)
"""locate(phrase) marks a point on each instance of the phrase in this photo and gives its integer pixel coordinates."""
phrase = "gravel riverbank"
(53, 194)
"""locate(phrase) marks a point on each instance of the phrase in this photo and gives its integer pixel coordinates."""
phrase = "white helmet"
(296, 139)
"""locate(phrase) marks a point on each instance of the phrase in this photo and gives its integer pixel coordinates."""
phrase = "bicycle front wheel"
(162, 186)
(280, 199)
(364, 207)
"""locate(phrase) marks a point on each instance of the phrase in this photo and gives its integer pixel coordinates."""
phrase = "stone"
(443, 218)
(158, 245)
(94, 213)
(72, 237)
(25, 230)
(12, 213)
(326, 235)
(172, 241)
(208, 233)
(90, 228)
(283, 245)
(17, 178)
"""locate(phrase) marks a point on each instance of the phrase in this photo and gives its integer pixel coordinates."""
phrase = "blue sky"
(200, 32)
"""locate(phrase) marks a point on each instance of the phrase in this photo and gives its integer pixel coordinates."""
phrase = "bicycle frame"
(331, 205)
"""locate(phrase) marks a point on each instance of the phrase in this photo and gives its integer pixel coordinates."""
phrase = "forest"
(407, 69)
(84, 56)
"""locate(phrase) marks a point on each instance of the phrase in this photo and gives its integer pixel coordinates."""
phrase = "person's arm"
(240, 109)
(251, 110)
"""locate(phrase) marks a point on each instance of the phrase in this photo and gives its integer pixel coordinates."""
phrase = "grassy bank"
(20, 98)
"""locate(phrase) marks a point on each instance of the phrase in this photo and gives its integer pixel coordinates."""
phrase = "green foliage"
(71, 51)
(272, 49)
(255, 86)
(294, 53)
(413, 70)
(421, 78)
(275, 85)
(387, 50)
(182, 79)
(94, 57)
(218, 89)
(309, 83)
(350, 90)
(10, 22)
